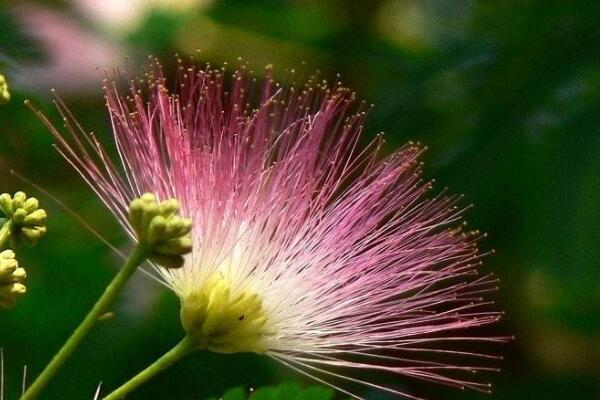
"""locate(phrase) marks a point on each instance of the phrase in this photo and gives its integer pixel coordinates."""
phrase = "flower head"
(11, 279)
(307, 246)
(4, 93)
(158, 227)
(24, 220)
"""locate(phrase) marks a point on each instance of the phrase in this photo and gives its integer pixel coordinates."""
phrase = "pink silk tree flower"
(307, 246)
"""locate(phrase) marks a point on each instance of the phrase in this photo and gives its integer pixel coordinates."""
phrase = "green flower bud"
(4, 93)
(222, 321)
(26, 221)
(11, 279)
(159, 226)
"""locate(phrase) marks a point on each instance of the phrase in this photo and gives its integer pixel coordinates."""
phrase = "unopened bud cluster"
(25, 222)
(11, 279)
(4, 93)
(159, 227)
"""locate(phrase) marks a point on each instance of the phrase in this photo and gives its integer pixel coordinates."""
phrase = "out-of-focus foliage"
(17, 43)
(506, 94)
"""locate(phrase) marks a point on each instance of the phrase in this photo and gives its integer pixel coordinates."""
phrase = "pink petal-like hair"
(357, 268)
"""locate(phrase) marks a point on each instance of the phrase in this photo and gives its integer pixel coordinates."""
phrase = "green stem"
(5, 232)
(183, 348)
(110, 293)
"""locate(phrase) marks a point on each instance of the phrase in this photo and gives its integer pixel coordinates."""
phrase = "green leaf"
(316, 392)
(289, 390)
(237, 393)
(284, 391)
(265, 393)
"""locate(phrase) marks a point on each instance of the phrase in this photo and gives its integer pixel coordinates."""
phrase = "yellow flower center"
(224, 322)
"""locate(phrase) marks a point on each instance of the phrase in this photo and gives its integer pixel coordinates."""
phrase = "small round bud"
(4, 93)
(27, 222)
(158, 225)
(11, 279)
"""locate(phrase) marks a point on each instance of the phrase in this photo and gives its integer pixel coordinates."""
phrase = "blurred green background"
(506, 95)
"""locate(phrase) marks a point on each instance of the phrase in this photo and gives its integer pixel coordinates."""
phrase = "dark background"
(506, 95)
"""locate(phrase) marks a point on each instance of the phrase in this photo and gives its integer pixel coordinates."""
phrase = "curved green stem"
(5, 232)
(110, 293)
(183, 348)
